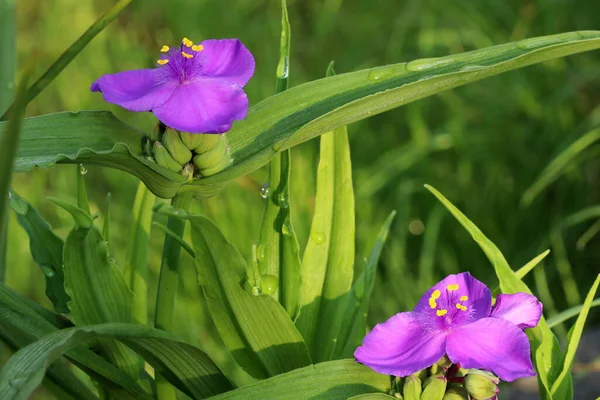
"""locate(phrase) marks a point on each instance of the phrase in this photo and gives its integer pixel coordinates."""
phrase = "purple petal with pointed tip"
(492, 344)
(522, 309)
(139, 90)
(203, 106)
(226, 59)
(401, 346)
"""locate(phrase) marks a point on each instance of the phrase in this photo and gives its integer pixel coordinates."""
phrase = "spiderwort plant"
(455, 318)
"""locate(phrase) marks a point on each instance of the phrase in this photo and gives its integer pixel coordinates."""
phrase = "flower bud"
(191, 140)
(225, 162)
(481, 385)
(163, 158)
(206, 142)
(434, 387)
(456, 393)
(177, 149)
(412, 388)
(212, 157)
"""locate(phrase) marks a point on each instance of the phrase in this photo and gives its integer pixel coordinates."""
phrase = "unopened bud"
(481, 385)
(225, 162)
(412, 388)
(207, 141)
(191, 140)
(212, 157)
(456, 393)
(163, 158)
(434, 387)
(178, 150)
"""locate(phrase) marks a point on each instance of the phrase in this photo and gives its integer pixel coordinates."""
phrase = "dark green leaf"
(46, 249)
(184, 365)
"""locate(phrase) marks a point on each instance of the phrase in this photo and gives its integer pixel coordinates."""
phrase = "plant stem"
(167, 286)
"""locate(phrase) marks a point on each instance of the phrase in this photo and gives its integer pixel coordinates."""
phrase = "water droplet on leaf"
(318, 237)
(283, 199)
(82, 169)
(264, 190)
(269, 284)
(48, 270)
(260, 253)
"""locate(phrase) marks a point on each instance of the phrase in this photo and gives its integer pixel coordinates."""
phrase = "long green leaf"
(334, 380)
(254, 327)
(354, 325)
(569, 313)
(328, 263)
(73, 50)
(184, 365)
(46, 249)
(547, 353)
(372, 396)
(23, 322)
(562, 386)
(289, 118)
(524, 270)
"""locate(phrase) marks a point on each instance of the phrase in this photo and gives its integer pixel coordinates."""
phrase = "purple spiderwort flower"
(455, 317)
(195, 89)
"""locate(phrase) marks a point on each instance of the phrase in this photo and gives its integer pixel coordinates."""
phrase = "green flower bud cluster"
(192, 155)
(446, 381)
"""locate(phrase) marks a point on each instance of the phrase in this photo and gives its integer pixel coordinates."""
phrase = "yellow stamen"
(186, 55)
(164, 49)
(441, 313)
(187, 42)
(162, 62)
(461, 307)
(432, 303)
(198, 47)
(452, 288)
(464, 298)
(436, 294)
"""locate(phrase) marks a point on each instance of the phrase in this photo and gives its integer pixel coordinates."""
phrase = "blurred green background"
(484, 145)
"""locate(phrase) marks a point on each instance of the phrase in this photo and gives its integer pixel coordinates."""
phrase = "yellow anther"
(441, 313)
(198, 47)
(187, 42)
(186, 55)
(164, 49)
(452, 287)
(461, 307)
(464, 298)
(432, 303)
(162, 62)
(436, 294)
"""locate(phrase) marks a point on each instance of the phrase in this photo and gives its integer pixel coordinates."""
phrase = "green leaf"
(558, 165)
(184, 365)
(569, 313)
(287, 119)
(525, 269)
(562, 386)
(23, 322)
(136, 265)
(254, 327)
(69, 54)
(372, 396)
(46, 249)
(547, 353)
(8, 49)
(354, 324)
(328, 263)
(334, 380)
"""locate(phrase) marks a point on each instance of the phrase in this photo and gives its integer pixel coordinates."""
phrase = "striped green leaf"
(287, 119)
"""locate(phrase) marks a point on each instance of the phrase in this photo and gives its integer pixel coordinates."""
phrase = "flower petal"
(522, 309)
(137, 90)
(203, 106)
(226, 59)
(492, 344)
(401, 346)
(461, 289)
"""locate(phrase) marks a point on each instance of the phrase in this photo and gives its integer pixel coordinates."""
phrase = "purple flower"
(455, 317)
(195, 89)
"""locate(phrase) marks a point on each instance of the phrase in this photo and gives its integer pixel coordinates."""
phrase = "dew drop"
(82, 169)
(286, 228)
(427, 63)
(264, 190)
(269, 284)
(48, 270)
(260, 253)
(378, 74)
(318, 237)
(283, 200)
